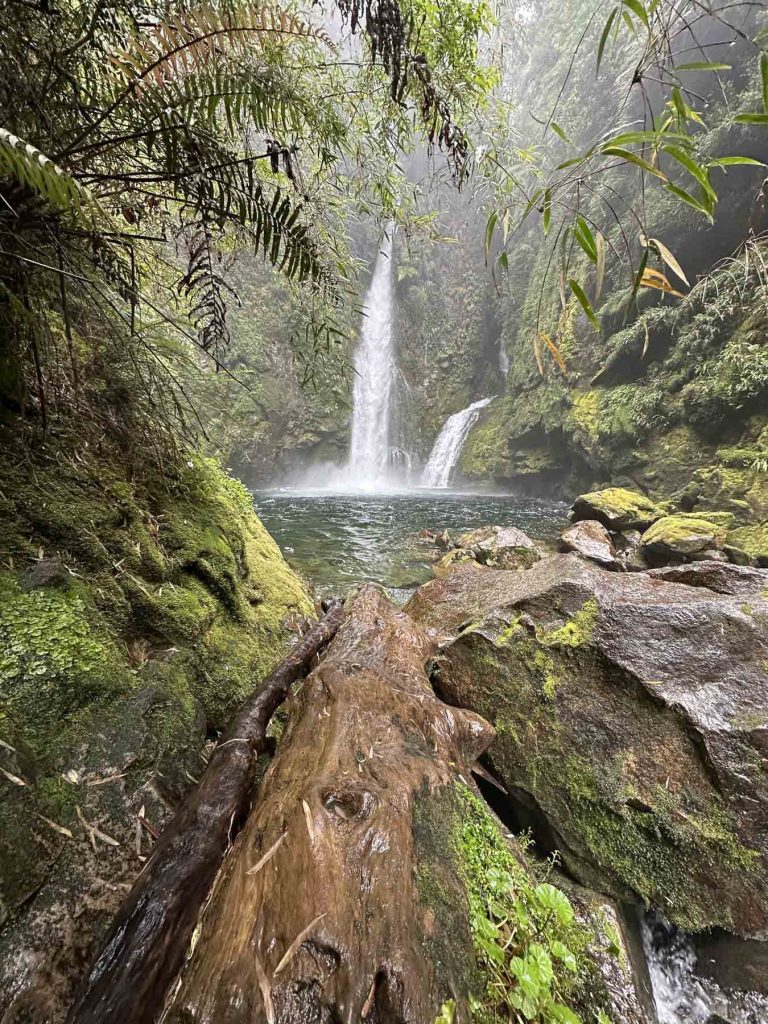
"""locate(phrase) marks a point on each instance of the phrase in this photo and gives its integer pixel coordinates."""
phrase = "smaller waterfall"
(447, 448)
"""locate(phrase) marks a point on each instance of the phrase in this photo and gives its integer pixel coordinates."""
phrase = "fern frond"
(170, 50)
(25, 164)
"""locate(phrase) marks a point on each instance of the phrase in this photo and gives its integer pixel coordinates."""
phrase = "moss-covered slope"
(158, 605)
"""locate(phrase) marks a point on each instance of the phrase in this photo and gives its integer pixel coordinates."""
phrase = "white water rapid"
(447, 448)
(370, 447)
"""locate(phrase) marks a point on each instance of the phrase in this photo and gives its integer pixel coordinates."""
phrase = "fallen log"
(318, 913)
(146, 944)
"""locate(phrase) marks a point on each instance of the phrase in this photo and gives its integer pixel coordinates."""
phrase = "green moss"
(686, 532)
(618, 507)
(576, 632)
(659, 853)
(751, 539)
(486, 451)
(585, 412)
(54, 658)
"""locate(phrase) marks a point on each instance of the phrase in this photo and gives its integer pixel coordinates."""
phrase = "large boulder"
(632, 721)
(503, 547)
(617, 508)
(685, 535)
(591, 540)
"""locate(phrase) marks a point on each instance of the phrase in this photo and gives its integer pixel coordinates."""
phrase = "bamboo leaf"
(764, 78)
(736, 161)
(751, 118)
(633, 158)
(585, 238)
(693, 168)
(668, 258)
(600, 273)
(604, 37)
(558, 131)
(639, 275)
(638, 9)
(490, 227)
(584, 302)
(653, 279)
(547, 210)
(646, 342)
(689, 199)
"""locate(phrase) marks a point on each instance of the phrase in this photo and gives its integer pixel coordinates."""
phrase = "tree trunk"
(145, 947)
(319, 913)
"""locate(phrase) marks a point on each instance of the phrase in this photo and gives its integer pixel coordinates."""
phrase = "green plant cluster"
(532, 948)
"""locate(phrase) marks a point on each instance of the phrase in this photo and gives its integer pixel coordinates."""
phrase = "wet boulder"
(591, 540)
(617, 508)
(502, 547)
(632, 721)
(684, 536)
(723, 578)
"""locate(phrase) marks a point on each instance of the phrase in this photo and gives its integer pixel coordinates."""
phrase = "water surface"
(338, 540)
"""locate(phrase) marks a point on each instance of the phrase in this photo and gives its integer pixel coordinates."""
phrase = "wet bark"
(316, 915)
(146, 945)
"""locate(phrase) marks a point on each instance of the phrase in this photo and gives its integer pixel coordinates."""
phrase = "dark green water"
(337, 540)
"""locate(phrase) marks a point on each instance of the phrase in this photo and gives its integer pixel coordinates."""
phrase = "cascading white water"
(369, 452)
(447, 448)
(680, 995)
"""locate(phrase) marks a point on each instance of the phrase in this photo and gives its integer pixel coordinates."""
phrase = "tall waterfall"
(447, 448)
(369, 453)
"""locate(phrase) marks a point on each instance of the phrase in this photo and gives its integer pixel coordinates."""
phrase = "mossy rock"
(617, 508)
(753, 540)
(686, 534)
(612, 695)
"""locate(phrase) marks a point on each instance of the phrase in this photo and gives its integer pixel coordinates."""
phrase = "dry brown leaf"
(288, 956)
(267, 856)
(310, 824)
(537, 354)
(556, 353)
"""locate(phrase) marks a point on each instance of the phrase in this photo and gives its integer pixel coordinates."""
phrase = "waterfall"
(369, 453)
(447, 448)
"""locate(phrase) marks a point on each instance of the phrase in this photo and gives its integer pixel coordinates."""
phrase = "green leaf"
(548, 895)
(689, 199)
(490, 227)
(561, 952)
(693, 168)
(558, 131)
(562, 1015)
(633, 158)
(447, 1012)
(751, 118)
(570, 163)
(547, 210)
(585, 238)
(604, 37)
(639, 275)
(764, 77)
(736, 161)
(638, 9)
